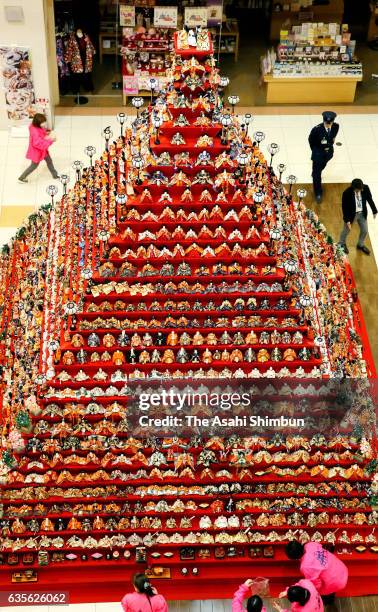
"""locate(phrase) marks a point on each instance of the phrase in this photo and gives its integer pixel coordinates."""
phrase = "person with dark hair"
(354, 201)
(254, 603)
(327, 573)
(321, 141)
(38, 149)
(303, 597)
(145, 597)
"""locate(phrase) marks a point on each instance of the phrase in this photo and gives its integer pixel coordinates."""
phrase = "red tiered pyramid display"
(189, 261)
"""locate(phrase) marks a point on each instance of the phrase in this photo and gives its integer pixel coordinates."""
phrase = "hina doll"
(187, 196)
(165, 198)
(146, 195)
(179, 179)
(225, 179)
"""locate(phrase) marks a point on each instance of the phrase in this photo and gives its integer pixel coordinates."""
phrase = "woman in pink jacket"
(254, 603)
(145, 597)
(327, 573)
(39, 143)
(303, 597)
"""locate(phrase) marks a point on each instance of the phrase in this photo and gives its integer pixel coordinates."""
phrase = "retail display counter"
(315, 90)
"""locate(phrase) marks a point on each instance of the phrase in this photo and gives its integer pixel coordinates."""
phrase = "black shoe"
(344, 247)
(364, 249)
(22, 180)
(318, 198)
(56, 176)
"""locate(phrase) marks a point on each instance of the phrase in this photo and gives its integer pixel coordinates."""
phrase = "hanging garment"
(75, 54)
(63, 68)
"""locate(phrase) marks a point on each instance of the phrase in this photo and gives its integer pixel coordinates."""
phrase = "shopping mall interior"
(205, 226)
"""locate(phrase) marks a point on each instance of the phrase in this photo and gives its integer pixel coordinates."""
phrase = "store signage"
(214, 12)
(195, 16)
(17, 81)
(127, 16)
(130, 85)
(165, 16)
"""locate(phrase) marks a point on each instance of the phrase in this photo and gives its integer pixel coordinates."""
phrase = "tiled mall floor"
(356, 157)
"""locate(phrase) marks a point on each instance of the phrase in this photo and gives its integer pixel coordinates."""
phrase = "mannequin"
(79, 55)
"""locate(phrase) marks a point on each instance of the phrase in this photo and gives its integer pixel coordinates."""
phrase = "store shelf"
(115, 41)
(229, 30)
(326, 13)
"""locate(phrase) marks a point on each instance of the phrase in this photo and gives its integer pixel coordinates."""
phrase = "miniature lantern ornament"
(90, 151)
(77, 166)
(258, 137)
(226, 122)
(157, 123)
(273, 150)
(233, 100)
(86, 273)
(259, 197)
(291, 179)
(121, 118)
(275, 233)
(103, 235)
(301, 193)
(70, 308)
(121, 198)
(137, 162)
(290, 266)
(153, 87)
(223, 81)
(107, 134)
(137, 103)
(243, 159)
(64, 179)
(52, 190)
(281, 169)
(305, 300)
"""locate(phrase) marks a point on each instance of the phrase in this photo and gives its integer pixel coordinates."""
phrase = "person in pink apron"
(145, 597)
(254, 602)
(303, 597)
(327, 573)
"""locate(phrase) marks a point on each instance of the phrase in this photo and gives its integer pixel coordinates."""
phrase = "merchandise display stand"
(179, 258)
(315, 63)
(331, 12)
(310, 90)
(150, 55)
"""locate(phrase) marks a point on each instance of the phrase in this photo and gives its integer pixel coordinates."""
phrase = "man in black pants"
(321, 141)
(355, 200)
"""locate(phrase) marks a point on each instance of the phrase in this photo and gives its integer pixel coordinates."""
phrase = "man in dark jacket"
(321, 139)
(354, 206)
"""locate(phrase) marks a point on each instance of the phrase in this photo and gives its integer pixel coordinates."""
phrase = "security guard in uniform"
(321, 139)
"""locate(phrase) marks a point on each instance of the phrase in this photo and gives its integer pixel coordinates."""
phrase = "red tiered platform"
(180, 286)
